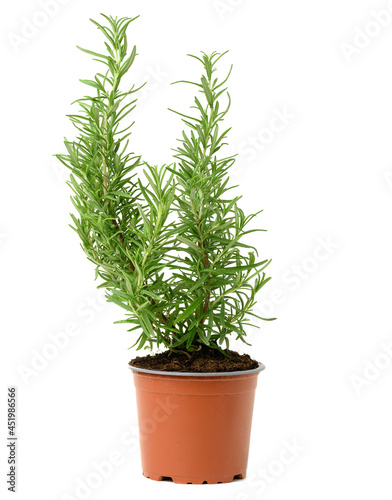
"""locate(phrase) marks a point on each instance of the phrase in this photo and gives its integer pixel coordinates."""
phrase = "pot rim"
(260, 368)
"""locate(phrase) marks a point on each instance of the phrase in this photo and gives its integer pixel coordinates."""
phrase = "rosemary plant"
(167, 242)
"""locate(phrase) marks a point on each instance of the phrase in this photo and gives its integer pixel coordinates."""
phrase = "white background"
(324, 180)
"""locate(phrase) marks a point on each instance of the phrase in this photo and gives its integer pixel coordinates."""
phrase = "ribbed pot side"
(195, 428)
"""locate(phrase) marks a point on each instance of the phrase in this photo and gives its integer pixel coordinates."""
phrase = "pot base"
(194, 480)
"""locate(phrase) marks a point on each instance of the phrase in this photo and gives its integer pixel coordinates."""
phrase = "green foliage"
(169, 249)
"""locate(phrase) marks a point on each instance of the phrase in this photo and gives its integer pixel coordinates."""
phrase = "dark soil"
(207, 360)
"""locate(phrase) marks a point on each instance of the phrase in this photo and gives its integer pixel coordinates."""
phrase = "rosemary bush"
(167, 242)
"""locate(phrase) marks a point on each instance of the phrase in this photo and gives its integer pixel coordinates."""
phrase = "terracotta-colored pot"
(195, 427)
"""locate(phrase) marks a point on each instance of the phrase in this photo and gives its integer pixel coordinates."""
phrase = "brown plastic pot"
(195, 427)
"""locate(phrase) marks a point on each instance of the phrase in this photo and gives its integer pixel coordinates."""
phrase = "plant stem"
(206, 259)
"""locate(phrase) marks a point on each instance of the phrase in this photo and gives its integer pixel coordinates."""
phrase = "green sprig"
(167, 242)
